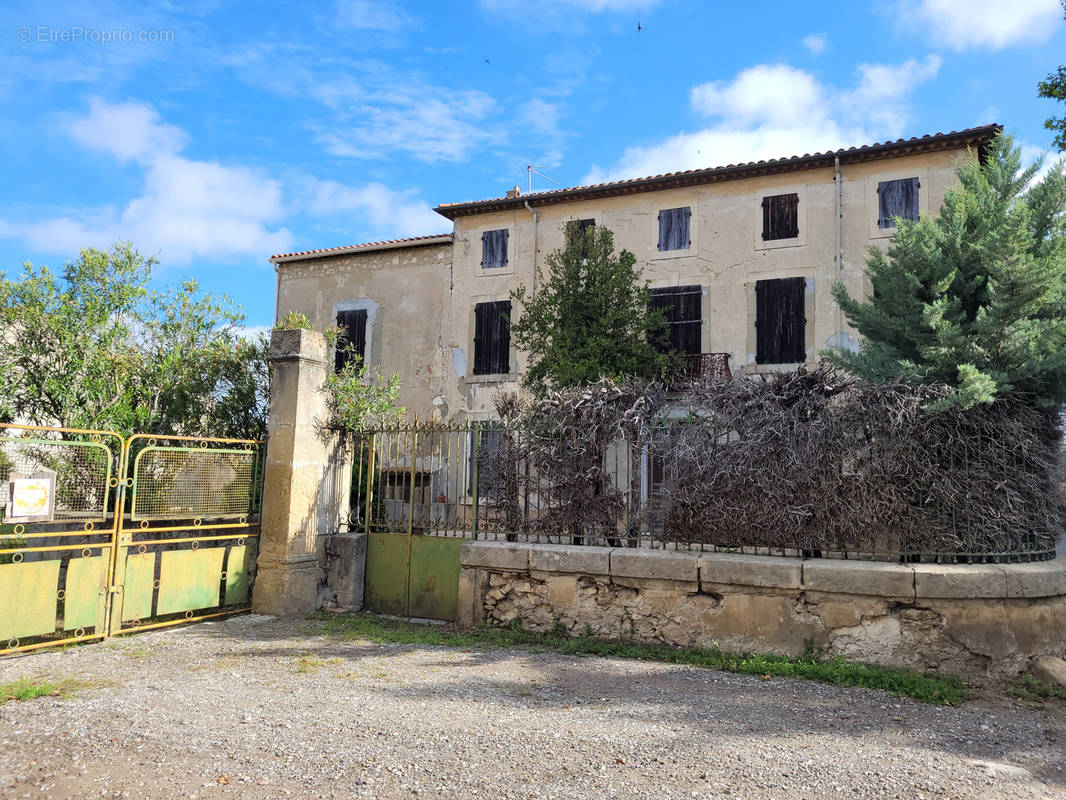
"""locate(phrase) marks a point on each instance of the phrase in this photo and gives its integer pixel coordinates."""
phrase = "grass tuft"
(835, 671)
(1035, 690)
(30, 688)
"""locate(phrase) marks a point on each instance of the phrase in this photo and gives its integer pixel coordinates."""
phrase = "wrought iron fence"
(484, 480)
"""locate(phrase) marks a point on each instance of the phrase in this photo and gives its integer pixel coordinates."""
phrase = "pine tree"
(975, 298)
(589, 318)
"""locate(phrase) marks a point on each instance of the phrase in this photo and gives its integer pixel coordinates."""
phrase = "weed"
(904, 683)
(30, 688)
(1034, 690)
(313, 663)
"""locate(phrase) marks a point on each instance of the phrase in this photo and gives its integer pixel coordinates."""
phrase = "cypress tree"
(590, 317)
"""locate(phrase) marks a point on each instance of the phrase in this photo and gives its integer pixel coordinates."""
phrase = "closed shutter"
(674, 229)
(352, 326)
(897, 199)
(482, 323)
(501, 338)
(492, 338)
(683, 308)
(689, 324)
(494, 248)
(780, 217)
(780, 321)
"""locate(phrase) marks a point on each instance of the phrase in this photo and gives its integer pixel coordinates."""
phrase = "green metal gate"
(410, 495)
(101, 535)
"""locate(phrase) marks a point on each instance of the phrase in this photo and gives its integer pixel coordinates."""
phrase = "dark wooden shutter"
(683, 308)
(897, 199)
(482, 341)
(353, 331)
(780, 321)
(674, 229)
(494, 248)
(780, 217)
(501, 337)
(492, 338)
(689, 324)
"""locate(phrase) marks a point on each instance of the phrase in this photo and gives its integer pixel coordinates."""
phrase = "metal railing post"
(370, 481)
(475, 446)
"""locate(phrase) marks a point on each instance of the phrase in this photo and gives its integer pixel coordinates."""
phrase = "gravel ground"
(252, 707)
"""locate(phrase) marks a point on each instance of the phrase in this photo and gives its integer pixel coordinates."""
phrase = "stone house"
(742, 257)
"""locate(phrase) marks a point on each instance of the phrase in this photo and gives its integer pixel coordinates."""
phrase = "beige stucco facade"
(421, 297)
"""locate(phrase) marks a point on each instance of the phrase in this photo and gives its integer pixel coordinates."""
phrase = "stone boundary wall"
(981, 621)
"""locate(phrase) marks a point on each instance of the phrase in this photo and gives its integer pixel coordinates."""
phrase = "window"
(780, 217)
(674, 229)
(494, 248)
(780, 321)
(492, 338)
(352, 325)
(896, 199)
(682, 306)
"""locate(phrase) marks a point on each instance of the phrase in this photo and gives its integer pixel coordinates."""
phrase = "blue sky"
(216, 134)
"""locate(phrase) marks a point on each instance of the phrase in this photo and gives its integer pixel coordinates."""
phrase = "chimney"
(513, 193)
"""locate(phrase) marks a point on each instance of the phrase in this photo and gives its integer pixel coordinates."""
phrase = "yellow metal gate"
(101, 535)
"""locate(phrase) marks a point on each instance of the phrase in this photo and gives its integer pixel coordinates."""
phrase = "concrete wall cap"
(506, 556)
(297, 343)
(959, 581)
(750, 570)
(657, 564)
(845, 576)
(1036, 578)
(570, 559)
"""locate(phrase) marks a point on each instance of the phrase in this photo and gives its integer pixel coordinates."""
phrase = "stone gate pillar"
(302, 491)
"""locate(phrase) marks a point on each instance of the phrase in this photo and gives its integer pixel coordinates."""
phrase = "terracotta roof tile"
(386, 244)
(933, 141)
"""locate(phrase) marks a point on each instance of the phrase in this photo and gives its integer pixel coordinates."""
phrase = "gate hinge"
(116, 589)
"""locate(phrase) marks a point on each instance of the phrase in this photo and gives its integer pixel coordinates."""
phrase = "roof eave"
(310, 255)
(949, 141)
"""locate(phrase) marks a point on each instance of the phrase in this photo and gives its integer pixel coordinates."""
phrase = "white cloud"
(776, 110)
(394, 213)
(187, 209)
(128, 131)
(571, 17)
(991, 24)
(429, 123)
(204, 209)
(816, 43)
(512, 7)
(374, 15)
(1031, 154)
(251, 333)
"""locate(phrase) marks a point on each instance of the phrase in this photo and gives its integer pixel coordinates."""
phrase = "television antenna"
(535, 168)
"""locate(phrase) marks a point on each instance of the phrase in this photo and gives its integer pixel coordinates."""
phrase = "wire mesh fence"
(173, 481)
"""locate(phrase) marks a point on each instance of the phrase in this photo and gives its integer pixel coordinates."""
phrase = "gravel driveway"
(252, 707)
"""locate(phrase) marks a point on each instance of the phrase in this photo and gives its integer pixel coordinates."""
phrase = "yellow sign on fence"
(33, 499)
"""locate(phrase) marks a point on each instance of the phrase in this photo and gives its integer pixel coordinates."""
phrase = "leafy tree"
(590, 318)
(975, 297)
(360, 398)
(93, 347)
(1054, 88)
